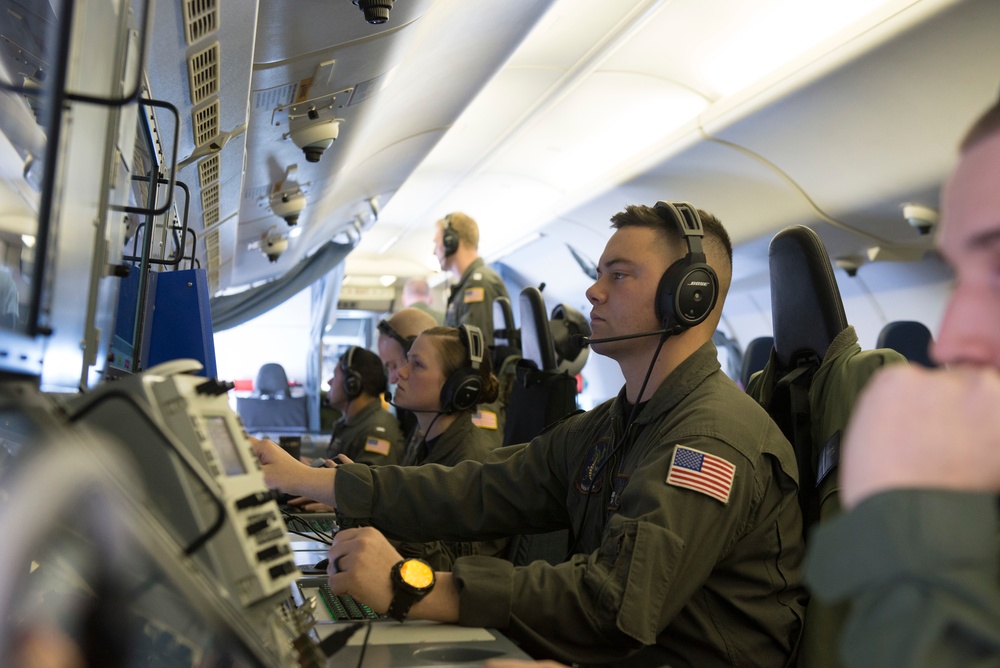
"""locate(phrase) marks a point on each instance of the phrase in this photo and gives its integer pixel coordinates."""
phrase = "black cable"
(220, 518)
(619, 444)
(364, 643)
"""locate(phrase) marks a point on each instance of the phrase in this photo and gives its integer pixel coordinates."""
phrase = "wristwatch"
(412, 579)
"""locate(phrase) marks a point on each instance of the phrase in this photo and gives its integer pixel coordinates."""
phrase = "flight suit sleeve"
(654, 556)
(928, 593)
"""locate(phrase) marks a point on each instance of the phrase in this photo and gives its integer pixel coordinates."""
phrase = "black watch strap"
(401, 603)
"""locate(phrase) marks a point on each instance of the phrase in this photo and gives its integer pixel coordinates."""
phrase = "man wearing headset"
(366, 432)
(680, 494)
(456, 246)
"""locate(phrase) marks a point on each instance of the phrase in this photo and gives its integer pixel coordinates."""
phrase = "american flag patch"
(485, 420)
(474, 295)
(701, 472)
(377, 445)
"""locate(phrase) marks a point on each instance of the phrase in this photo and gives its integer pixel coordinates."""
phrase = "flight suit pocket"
(647, 561)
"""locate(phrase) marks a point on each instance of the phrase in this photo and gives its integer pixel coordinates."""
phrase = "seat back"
(910, 338)
(755, 357)
(272, 382)
(809, 385)
(542, 394)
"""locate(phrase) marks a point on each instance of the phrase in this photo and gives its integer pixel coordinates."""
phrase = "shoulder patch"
(474, 295)
(379, 446)
(477, 276)
(485, 420)
(701, 472)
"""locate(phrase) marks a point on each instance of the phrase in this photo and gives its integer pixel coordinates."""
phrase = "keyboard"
(344, 608)
(323, 523)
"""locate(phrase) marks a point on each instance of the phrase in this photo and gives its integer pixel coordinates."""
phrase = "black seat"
(809, 386)
(755, 357)
(910, 338)
(542, 394)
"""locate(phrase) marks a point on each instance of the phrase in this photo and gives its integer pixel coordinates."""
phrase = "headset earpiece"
(463, 388)
(352, 382)
(449, 238)
(689, 288)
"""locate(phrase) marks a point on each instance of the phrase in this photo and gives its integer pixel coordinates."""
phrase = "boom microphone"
(581, 340)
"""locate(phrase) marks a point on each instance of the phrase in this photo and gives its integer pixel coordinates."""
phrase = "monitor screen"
(225, 446)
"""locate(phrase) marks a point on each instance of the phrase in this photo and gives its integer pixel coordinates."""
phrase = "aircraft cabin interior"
(205, 204)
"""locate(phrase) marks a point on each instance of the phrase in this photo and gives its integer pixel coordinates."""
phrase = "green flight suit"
(471, 300)
(921, 570)
(661, 574)
(460, 442)
(370, 436)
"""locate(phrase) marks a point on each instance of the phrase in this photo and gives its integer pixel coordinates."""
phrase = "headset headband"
(385, 328)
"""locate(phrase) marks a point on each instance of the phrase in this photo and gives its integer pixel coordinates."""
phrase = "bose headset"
(689, 288)
(352, 382)
(462, 389)
(449, 238)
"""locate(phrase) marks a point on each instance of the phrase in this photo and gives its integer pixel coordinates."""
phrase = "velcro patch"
(702, 472)
(485, 420)
(379, 446)
(474, 295)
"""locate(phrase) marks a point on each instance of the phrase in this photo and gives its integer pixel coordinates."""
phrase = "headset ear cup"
(686, 295)
(449, 240)
(352, 379)
(461, 391)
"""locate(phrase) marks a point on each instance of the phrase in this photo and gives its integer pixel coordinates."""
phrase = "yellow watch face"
(416, 573)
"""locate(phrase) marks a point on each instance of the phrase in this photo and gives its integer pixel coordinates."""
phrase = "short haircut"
(716, 236)
(368, 365)
(465, 227)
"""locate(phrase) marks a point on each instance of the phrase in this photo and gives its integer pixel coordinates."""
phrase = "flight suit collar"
(688, 375)
(363, 413)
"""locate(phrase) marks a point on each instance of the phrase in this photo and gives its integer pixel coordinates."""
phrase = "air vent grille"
(212, 255)
(201, 17)
(206, 123)
(203, 74)
(210, 197)
(208, 170)
(209, 217)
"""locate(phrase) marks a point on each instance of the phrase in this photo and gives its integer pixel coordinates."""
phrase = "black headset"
(449, 238)
(407, 342)
(689, 287)
(352, 383)
(462, 389)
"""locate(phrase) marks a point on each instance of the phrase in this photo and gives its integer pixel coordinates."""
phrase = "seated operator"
(921, 466)
(680, 494)
(395, 336)
(446, 374)
(365, 432)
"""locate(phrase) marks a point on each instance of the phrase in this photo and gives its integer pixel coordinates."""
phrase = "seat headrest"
(565, 323)
(910, 338)
(536, 339)
(272, 381)
(755, 357)
(504, 330)
(806, 309)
